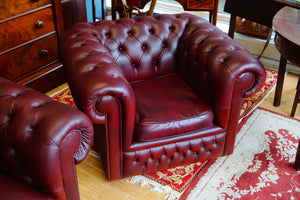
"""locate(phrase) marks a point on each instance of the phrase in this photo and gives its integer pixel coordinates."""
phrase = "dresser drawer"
(28, 59)
(26, 28)
(200, 4)
(9, 8)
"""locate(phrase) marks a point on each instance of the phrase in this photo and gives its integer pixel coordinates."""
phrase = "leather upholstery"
(41, 141)
(119, 72)
(158, 113)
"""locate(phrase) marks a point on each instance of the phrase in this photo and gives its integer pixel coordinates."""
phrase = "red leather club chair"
(41, 141)
(161, 91)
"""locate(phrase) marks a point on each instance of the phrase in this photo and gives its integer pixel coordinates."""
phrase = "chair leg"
(297, 161)
(297, 99)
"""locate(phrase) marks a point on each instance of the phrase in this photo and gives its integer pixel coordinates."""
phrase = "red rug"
(261, 166)
(178, 179)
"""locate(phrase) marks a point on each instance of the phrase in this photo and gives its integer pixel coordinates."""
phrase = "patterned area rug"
(261, 166)
(175, 181)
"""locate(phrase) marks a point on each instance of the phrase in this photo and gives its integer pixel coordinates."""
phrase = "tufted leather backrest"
(143, 47)
(205, 52)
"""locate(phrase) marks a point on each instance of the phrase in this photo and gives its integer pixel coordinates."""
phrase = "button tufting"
(77, 35)
(115, 76)
(151, 31)
(36, 104)
(14, 94)
(232, 48)
(134, 65)
(130, 33)
(91, 68)
(85, 55)
(121, 48)
(9, 117)
(107, 34)
(222, 60)
(28, 180)
(12, 152)
(29, 129)
(81, 44)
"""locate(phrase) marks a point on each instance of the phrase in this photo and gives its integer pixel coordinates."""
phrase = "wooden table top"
(286, 23)
(291, 3)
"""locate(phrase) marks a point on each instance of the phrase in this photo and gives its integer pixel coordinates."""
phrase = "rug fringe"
(155, 187)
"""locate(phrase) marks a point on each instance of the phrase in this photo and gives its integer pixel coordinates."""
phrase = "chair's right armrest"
(220, 70)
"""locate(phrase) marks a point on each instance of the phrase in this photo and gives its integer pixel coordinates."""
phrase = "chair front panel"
(174, 154)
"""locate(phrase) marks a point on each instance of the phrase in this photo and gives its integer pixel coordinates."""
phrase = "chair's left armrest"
(41, 140)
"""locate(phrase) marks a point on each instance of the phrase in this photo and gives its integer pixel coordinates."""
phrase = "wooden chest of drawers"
(29, 32)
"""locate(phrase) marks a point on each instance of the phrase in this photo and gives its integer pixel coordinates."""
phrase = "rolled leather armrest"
(96, 81)
(41, 140)
(216, 66)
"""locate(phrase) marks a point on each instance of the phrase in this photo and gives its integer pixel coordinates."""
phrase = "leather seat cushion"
(167, 106)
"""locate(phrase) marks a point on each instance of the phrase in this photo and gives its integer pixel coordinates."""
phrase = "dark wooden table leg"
(94, 10)
(296, 99)
(232, 25)
(279, 83)
(297, 161)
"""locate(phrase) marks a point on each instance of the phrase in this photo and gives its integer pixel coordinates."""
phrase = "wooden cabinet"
(29, 33)
(189, 5)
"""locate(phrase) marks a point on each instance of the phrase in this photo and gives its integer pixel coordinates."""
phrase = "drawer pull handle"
(39, 24)
(201, 1)
(44, 53)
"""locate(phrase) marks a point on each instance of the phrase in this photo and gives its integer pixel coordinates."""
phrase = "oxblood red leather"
(158, 113)
(161, 91)
(41, 141)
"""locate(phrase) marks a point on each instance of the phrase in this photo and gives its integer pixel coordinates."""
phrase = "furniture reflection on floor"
(41, 141)
(189, 5)
(162, 91)
(258, 11)
(286, 24)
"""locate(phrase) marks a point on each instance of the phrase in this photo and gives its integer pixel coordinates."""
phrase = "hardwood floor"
(287, 99)
(93, 184)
